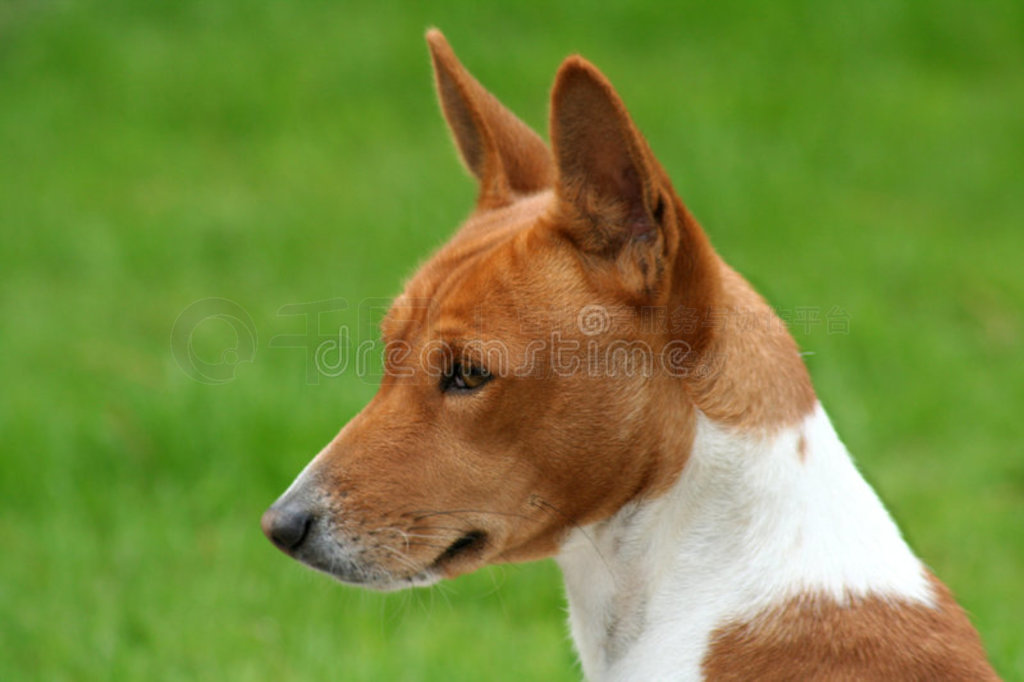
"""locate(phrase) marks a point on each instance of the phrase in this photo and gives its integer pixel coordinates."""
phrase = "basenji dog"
(577, 374)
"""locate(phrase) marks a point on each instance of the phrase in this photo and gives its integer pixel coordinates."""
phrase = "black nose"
(286, 526)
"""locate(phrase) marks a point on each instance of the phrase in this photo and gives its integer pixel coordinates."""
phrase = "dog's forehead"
(481, 292)
(483, 276)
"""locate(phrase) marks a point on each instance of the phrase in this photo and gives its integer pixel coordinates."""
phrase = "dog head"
(532, 382)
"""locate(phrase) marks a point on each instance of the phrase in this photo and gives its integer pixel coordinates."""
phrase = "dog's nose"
(286, 526)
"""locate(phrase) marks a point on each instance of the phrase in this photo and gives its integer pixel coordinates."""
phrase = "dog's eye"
(464, 378)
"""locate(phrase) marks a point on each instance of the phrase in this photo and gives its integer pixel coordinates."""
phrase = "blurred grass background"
(865, 156)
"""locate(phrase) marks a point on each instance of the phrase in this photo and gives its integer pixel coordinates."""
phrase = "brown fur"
(756, 379)
(813, 638)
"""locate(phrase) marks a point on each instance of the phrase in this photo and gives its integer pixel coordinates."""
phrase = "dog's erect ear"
(615, 200)
(504, 154)
(605, 168)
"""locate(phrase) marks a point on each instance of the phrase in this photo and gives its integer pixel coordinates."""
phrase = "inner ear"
(641, 221)
(604, 167)
(659, 210)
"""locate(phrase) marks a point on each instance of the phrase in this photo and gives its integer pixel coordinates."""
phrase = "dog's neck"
(751, 522)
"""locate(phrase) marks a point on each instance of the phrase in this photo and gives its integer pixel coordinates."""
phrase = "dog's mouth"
(461, 555)
(467, 545)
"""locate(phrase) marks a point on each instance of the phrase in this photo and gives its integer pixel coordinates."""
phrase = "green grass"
(861, 155)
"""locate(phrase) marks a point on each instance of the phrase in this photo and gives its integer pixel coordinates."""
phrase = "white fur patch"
(750, 524)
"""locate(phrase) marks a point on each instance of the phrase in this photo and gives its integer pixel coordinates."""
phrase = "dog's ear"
(504, 154)
(614, 199)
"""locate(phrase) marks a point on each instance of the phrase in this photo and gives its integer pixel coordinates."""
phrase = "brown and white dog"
(708, 521)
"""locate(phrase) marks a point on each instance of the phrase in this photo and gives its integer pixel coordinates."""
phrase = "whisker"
(402, 558)
(427, 544)
(541, 502)
(456, 512)
(414, 528)
(406, 534)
